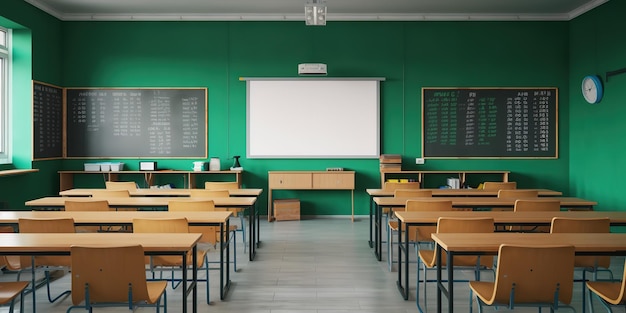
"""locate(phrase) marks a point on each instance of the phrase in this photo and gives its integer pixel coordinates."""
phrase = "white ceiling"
(338, 10)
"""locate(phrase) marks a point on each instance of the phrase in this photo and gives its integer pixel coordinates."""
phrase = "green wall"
(598, 144)
(410, 55)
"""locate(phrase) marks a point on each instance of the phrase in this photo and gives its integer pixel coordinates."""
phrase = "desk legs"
(403, 252)
(224, 272)
(370, 242)
(253, 231)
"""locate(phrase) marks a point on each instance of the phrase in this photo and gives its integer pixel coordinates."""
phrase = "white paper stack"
(454, 183)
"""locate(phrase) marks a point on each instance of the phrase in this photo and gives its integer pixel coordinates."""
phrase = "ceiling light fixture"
(315, 13)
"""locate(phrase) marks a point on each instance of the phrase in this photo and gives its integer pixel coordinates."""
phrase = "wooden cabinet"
(309, 180)
(290, 181)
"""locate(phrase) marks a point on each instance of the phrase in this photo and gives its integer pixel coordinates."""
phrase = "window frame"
(5, 97)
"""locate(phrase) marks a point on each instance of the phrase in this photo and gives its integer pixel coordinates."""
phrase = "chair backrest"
(209, 193)
(47, 225)
(536, 272)
(422, 233)
(121, 185)
(523, 205)
(412, 193)
(518, 193)
(389, 186)
(467, 225)
(492, 185)
(108, 271)
(221, 185)
(110, 193)
(584, 225)
(95, 205)
(210, 234)
(160, 225)
(429, 205)
(191, 205)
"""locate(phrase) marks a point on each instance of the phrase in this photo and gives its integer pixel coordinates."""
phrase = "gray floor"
(317, 265)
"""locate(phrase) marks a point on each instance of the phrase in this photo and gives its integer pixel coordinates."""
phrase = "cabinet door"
(333, 180)
(289, 180)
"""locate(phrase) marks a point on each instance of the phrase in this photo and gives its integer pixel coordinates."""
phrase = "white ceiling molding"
(330, 16)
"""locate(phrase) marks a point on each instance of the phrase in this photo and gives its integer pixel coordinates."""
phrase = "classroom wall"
(410, 55)
(597, 152)
(37, 38)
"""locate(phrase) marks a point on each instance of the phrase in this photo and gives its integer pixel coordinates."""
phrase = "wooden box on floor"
(287, 209)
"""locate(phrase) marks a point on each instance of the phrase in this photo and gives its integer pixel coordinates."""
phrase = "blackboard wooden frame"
(193, 145)
(48, 121)
(513, 122)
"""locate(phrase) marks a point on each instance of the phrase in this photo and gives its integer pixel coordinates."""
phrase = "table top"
(142, 201)
(146, 192)
(510, 217)
(55, 242)
(490, 242)
(115, 217)
(482, 201)
(460, 192)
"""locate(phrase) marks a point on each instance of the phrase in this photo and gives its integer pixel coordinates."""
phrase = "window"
(5, 65)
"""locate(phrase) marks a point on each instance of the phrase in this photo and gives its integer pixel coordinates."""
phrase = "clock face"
(592, 89)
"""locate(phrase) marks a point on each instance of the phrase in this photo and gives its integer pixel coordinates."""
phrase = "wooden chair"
(535, 205)
(491, 185)
(428, 258)
(518, 193)
(609, 292)
(9, 291)
(529, 276)
(113, 276)
(237, 212)
(46, 263)
(592, 264)
(113, 193)
(171, 263)
(120, 185)
(210, 234)
(392, 225)
(389, 186)
(95, 205)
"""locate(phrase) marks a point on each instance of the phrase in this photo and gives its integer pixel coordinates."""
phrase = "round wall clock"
(592, 88)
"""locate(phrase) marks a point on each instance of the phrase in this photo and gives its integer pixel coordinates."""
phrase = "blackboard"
(490, 122)
(136, 122)
(47, 121)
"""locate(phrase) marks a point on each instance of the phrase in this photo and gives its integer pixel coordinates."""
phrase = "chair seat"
(609, 291)
(10, 289)
(482, 289)
(155, 290)
(177, 260)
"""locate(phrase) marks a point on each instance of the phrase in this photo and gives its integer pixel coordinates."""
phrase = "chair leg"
(389, 247)
(64, 293)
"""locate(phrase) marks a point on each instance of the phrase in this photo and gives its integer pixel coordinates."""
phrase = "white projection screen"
(313, 118)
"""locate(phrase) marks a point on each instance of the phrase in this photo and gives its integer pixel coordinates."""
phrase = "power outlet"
(419, 161)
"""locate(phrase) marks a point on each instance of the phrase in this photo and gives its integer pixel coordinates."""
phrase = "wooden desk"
(504, 218)
(420, 175)
(67, 177)
(162, 202)
(477, 244)
(460, 202)
(153, 244)
(174, 192)
(437, 192)
(309, 180)
(125, 218)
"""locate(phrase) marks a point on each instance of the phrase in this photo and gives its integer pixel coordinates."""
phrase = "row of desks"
(161, 203)
(377, 202)
(153, 244)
